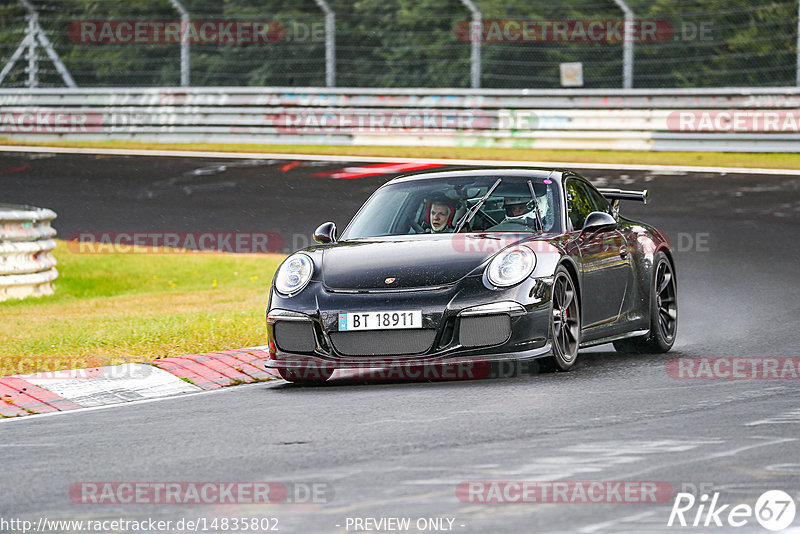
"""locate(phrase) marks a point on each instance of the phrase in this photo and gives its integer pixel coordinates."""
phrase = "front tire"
(565, 323)
(663, 313)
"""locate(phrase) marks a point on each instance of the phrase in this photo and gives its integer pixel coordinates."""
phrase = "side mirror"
(325, 233)
(598, 220)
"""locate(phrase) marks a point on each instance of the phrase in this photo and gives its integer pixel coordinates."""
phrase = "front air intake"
(484, 330)
(383, 342)
(294, 336)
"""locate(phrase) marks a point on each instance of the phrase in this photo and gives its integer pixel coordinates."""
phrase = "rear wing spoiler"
(615, 195)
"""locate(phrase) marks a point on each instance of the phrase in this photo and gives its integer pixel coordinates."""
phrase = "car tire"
(312, 376)
(663, 312)
(565, 323)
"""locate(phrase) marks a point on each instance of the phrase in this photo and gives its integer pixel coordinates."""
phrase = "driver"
(523, 210)
(439, 211)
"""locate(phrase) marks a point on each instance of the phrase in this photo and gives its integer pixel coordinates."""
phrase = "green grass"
(713, 159)
(85, 275)
(115, 308)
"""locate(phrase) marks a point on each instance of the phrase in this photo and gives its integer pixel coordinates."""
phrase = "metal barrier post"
(330, 43)
(185, 67)
(33, 63)
(627, 46)
(33, 34)
(475, 36)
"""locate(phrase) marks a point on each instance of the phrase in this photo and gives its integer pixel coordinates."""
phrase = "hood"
(413, 261)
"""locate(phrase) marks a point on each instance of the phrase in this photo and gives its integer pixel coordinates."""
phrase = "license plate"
(380, 320)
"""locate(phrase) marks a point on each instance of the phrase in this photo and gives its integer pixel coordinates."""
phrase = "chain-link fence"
(399, 43)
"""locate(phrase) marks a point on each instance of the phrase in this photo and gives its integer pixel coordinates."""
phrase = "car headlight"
(511, 267)
(294, 274)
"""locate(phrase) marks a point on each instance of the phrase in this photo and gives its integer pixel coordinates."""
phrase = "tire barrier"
(27, 265)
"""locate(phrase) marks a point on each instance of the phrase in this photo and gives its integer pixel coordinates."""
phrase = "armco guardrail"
(27, 267)
(738, 119)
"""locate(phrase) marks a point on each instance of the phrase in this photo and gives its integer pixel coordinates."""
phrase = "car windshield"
(446, 205)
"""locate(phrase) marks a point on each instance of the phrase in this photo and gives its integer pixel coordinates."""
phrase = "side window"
(579, 203)
(599, 201)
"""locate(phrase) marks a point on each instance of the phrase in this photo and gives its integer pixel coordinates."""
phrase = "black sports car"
(453, 267)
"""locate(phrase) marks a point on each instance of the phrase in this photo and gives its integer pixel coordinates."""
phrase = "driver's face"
(439, 215)
(517, 209)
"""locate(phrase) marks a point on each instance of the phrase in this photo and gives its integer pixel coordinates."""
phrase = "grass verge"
(115, 308)
(711, 159)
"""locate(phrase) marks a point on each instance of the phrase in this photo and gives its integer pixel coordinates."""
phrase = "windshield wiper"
(536, 205)
(474, 210)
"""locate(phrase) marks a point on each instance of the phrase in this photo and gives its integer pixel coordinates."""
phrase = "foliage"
(416, 43)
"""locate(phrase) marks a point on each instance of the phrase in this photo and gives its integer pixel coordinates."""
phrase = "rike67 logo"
(774, 510)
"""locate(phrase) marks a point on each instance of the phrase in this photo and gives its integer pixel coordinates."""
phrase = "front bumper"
(527, 307)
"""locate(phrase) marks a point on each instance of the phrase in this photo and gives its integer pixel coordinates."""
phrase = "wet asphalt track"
(399, 449)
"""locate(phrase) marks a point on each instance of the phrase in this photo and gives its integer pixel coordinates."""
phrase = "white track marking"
(79, 411)
(707, 457)
(378, 159)
(791, 417)
(114, 384)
